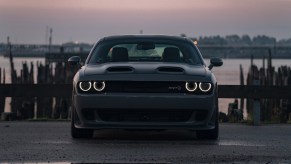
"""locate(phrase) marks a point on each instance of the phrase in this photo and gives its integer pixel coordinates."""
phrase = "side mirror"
(215, 62)
(74, 60)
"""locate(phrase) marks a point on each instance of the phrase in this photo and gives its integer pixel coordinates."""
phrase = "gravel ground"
(51, 142)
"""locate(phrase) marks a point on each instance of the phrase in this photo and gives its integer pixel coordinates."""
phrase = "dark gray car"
(145, 82)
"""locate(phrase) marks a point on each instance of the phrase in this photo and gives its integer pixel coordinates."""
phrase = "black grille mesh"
(145, 115)
(145, 86)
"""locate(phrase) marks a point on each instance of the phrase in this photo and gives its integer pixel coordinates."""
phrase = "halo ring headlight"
(85, 86)
(191, 87)
(205, 87)
(99, 85)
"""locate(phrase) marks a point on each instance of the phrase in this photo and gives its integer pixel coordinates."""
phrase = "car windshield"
(145, 52)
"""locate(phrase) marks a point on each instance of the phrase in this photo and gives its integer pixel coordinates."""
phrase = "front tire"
(79, 133)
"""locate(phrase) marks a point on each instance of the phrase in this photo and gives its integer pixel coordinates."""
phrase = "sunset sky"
(25, 21)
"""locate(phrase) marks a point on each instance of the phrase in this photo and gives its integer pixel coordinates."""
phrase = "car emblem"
(178, 88)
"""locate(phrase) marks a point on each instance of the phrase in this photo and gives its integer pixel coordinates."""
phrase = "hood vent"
(120, 69)
(175, 70)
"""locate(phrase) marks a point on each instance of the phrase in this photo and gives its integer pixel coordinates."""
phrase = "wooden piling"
(14, 79)
(58, 107)
(44, 105)
(256, 107)
(241, 83)
(2, 99)
(272, 110)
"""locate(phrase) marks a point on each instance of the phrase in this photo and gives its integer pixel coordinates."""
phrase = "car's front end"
(108, 101)
(145, 95)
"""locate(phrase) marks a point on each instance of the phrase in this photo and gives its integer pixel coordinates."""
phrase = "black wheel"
(209, 134)
(79, 133)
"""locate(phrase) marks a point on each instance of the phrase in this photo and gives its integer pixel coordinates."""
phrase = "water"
(228, 74)
(4, 63)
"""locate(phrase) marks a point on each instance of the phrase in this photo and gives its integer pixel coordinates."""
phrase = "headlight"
(198, 87)
(99, 86)
(205, 87)
(85, 86)
(191, 86)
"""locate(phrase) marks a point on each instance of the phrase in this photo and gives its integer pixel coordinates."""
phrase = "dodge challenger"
(144, 82)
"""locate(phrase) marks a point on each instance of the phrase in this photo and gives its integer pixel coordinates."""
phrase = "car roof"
(145, 37)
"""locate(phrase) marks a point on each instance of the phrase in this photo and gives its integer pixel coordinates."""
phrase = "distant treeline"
(244, 40)
(230, 46)
(234, 46)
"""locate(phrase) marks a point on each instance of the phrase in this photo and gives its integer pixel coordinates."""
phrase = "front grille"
(145, 86)
(144, 116)
(152, 115)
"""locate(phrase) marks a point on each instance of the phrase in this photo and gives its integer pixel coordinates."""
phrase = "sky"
(27, 21)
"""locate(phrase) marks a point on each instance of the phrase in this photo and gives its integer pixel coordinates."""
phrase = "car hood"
(144, 68)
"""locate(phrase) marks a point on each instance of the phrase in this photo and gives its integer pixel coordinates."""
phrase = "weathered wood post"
(40, 100)
(2, 99)
(4, 76)
(14, 79)
(44, 104)
(256, 107)
(270, 106)
(241, 77)
(289, 100)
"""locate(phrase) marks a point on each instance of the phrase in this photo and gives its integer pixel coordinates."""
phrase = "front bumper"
(145, 111)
